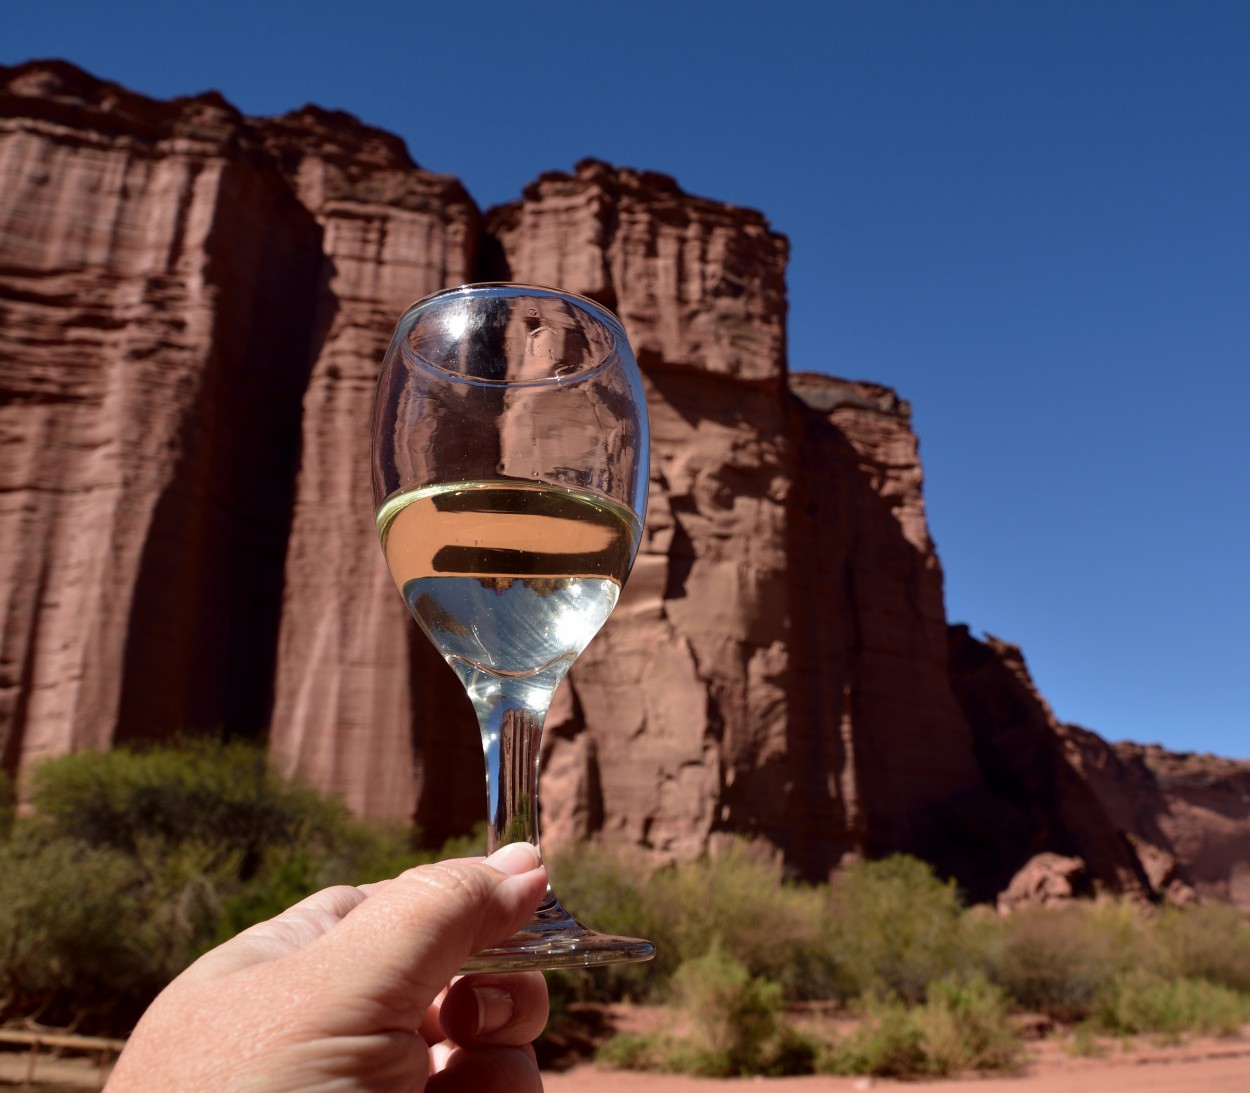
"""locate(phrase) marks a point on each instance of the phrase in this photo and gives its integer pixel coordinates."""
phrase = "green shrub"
(738, 902)
(732, 900)
(1210, 941)
(223, 796)
(1084, 1042)
(635, 1051)
(887, 1044)
(75, 939)
(895, 928)
(735, 1016)
(738, 1027)
(604, 885)
(1142, 1002)
(962, 1026)
(135, 862)
(608, 890)
(222, 806)
(1059, 960)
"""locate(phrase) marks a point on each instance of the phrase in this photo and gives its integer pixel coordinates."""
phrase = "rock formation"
(1047, 880)
(193, 307)
(157, 278)
(1188, 816)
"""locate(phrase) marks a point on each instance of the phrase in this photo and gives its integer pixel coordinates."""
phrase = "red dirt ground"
(1209, 1066)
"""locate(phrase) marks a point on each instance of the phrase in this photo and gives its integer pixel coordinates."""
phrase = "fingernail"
(515, 858)
(494, 1009)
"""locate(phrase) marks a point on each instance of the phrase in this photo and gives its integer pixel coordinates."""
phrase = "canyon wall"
(193, 309)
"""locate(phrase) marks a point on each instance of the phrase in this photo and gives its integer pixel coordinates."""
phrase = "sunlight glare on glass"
(571, 624)
(457, 323)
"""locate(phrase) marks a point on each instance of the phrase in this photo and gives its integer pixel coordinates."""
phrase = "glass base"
(555, 939)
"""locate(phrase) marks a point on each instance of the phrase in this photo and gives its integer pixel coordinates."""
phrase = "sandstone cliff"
(193, 306)
(158, 279)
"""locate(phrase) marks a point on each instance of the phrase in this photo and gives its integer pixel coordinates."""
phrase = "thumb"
(395, 951)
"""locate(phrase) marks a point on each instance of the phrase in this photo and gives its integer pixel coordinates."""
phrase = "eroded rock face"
(1145, 821)
(699, 285)
(195, 303)
(785, 616)
(193, 308)
(351, 668)
(150, 262)
(1046, 880)
(1033, 773)
(1187, 815)
(683, 695)
(869, 626)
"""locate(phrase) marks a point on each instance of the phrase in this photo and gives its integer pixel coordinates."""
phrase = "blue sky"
(1030, 218)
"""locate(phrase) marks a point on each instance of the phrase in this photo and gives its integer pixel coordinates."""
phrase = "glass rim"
(509, 290)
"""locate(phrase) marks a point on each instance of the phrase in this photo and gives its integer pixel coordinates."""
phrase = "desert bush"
(608, 889)
(738, 1027)
(223, 798)
(1210, 941)
(1141, 1002)
(220, 795)
(76, 941)
(1060, 960)
(733, 900)
(962, 1026)
(888, 1043)
(606, 886)
(1084, 1042)
(895, 928)
(135, 862)
(739, 1019)
(636, 1051)
(739, 902)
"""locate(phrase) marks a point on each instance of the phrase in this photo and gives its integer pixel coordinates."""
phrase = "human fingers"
(294, 928)
(400, 947)
(375, 886)
(487, 1070)
(499, 1009)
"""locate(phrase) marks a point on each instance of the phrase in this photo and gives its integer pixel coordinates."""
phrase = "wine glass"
(510, 484)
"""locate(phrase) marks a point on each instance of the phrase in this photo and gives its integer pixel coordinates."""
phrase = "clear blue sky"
(1030, 218)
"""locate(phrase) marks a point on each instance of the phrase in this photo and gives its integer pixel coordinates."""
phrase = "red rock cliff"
(194, 305)
(158, 279)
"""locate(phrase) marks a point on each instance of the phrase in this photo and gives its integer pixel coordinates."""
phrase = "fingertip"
(515, 859)
(494, 1009)
(503, 1008)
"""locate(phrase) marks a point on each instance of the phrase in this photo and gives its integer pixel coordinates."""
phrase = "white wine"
(507, 577)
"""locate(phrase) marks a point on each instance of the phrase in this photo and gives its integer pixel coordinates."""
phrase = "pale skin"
(354, 989)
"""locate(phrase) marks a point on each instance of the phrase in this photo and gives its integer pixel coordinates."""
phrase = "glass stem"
(510, 714)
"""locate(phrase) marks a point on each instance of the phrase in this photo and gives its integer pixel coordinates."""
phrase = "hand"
(347, 991)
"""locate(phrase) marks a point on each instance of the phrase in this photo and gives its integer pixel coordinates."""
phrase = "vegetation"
(930, 985)
(737, 1021)
(1145, 1002)
(128, 864)
(962, 1025)
(132, 863)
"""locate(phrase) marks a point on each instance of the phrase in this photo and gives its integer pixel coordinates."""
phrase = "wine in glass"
(510, 486)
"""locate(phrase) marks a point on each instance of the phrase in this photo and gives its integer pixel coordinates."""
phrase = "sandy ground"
(1201, 1066)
